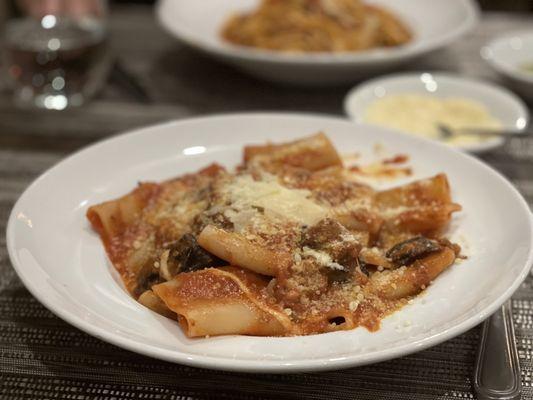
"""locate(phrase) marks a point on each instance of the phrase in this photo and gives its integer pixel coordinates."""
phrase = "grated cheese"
(322, 258)
(419, 115)
(247, 195)
(353, 305)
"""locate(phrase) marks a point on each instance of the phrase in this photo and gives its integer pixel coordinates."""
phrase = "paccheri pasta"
(291, 243)
(316, 26)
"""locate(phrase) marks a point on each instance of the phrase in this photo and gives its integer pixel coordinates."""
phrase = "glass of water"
(55, 53)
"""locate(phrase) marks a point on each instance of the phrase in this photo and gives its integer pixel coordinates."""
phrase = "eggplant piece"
(321, 235)
(146, 283)
(186, 255)
(338, 275)
(193, 257)
(406, 252)
(332, 238)
(363, 268)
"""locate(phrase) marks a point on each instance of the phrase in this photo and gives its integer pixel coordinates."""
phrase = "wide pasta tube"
(312, 153)
(222, 301)
(237, 250)
(117, 223)
(421, 207)
(410, 280)
(110, 218)
(426, 191)
(154, 303)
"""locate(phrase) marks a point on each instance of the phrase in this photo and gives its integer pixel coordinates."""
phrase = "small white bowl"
(435, 24)
(500, 102)
(506, 54)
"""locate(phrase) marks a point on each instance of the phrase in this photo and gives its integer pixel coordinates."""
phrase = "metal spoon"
(497, 374)
(446, 132)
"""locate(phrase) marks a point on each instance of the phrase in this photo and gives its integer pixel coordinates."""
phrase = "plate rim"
(252, 365)
(242, 53)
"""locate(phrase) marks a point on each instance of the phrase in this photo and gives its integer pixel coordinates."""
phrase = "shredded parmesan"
(421, 114)
(247, 196)
(322, 258)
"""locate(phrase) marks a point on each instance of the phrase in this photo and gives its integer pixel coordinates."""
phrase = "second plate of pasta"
(441, 275)
(317, 43)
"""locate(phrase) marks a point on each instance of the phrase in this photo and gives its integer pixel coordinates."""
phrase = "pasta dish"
(290, 243)
(316, 26)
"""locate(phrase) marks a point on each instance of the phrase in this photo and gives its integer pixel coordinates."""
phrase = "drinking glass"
(55, 52)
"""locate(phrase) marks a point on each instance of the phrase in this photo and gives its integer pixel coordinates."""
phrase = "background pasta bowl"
(61, 260)
(435, 24)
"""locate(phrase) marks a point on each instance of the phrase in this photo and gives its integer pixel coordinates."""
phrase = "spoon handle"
(497, 373)
(493, 132)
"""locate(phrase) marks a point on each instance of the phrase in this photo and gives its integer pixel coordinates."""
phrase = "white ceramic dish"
(435, 24)
(507, 54)
(62, 262)
(500, 102)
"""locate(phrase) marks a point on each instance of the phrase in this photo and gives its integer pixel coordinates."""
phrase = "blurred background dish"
(511, 55)
(434, 24)
(423, 103)
(310, 26)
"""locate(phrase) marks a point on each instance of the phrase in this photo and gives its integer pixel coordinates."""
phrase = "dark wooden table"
(43, 357)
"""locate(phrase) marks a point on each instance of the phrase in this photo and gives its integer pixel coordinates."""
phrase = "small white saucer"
(507, 55)
(500, 102)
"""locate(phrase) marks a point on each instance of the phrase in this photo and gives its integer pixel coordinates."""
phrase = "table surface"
(43, 357)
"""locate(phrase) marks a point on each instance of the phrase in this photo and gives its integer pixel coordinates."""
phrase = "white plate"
(62, 262)
(435, 24)
(500, 102)
(507, 53)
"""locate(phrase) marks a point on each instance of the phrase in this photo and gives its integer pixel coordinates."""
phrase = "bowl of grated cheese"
(418, 103)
